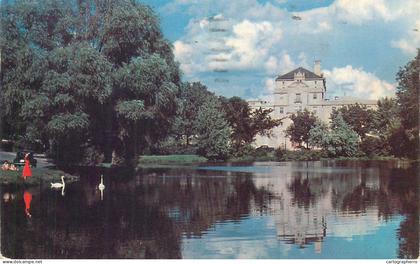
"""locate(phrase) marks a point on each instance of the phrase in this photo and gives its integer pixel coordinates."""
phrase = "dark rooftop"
(291, 75)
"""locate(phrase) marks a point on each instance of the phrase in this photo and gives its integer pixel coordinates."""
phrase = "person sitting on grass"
(12, 167)
(6, 165)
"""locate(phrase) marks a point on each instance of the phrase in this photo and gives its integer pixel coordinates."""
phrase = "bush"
(173, 146)
(299, 155)
(170, 159)
(92, 157)
(241, 152)
(372, 147)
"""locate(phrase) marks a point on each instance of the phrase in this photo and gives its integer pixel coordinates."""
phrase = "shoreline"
(39, 175)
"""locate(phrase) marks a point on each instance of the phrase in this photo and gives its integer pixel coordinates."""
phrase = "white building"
(298, 90)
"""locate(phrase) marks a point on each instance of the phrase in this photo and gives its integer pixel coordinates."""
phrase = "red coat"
(26, 169)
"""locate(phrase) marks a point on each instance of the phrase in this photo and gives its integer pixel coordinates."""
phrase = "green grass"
(170, 160)
(375, 158)
(251, 158)
(38, 175)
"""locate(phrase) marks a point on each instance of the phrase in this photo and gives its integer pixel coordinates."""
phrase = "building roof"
(291, 75)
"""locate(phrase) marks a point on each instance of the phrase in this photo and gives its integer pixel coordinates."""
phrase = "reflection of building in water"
(299, 225)
(310, 199)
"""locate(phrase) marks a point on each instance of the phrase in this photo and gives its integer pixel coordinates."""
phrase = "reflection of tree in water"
(302, 195)
(123, 227)
(397, 193)
(196, 200)
(388, 189)
(145, 217)
(404, 186)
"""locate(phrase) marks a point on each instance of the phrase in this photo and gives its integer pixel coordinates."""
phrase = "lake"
(272, 210)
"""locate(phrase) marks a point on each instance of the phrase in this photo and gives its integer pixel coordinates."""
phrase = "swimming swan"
(59, 185)
(101, 187)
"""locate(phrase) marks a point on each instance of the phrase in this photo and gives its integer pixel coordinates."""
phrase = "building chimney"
(317, 67)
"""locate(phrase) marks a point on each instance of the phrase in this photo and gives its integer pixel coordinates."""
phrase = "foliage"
(171, 145)
(245, 123)
(92, 156)
(170, 159)
(192, 96)
(408, 101)
(299, 155)
(338, 140)
(375, 146)
(213, 131)
(358, 117)
(93, 74)
(298, 131)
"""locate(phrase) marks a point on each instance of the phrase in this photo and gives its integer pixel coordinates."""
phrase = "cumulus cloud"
(244, 45)
(356, 82)
(411, 42)
(276, 65)
(360, 11)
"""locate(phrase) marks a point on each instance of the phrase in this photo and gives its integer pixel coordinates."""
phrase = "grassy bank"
(146, 161)
(303, 155)
(38, 175)
(385, 158)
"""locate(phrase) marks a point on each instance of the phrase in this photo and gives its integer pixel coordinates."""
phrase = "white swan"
(101, 187)
(59, 185)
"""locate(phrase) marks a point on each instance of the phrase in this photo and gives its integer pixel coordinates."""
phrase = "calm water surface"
(261, 210)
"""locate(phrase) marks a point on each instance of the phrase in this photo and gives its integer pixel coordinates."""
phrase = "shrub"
(92, 156)
(299, 155)
(173, 146)
(375, 147)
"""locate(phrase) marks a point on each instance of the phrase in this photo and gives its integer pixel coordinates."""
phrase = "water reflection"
(27, 198)
(281, 210)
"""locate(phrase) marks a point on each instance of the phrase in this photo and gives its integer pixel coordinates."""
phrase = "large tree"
(303, 122)
(408, 101)
(213, 130)
(245, 122)
(337, 140)
(383, 125)
(192, 97)
(359, 117)
(93, 73)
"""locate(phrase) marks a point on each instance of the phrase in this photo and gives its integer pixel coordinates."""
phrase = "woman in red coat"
(27, 168)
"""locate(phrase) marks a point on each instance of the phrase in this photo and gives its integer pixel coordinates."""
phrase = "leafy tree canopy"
(102, 68)
(303, 122)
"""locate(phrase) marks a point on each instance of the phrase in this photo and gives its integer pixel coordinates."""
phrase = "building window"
(315, 82)
(315, 95)
(314, 110)
(281, 110)
(298, 98)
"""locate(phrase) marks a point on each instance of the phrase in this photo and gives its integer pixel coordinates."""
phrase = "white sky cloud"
(357, 83)
(411, 42)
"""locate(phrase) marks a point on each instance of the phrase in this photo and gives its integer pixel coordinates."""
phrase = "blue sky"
(239, 47)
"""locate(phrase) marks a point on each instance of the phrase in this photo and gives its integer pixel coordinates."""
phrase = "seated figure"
(6, 165)
(12, 167)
